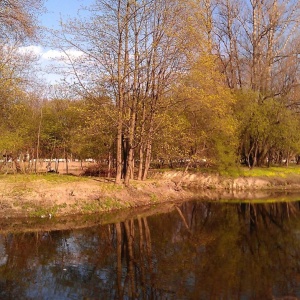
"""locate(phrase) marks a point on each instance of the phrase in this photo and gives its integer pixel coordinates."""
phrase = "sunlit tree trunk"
(38, 142)
(134, 100)
(109, 165)
(120, 95)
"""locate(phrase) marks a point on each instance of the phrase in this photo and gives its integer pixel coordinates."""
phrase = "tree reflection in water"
(199, 250)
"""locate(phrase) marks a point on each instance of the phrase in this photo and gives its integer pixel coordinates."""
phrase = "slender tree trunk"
(120, 97)
(109, 164)
(148, 158)
(67, 163)
(270, 49)
(38, 142)
(142, 139)
(17, 165)
(133, 111)
(288, 158)
(141, 162)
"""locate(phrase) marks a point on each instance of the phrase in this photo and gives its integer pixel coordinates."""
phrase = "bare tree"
(18, 18)
(129, 49)
(255, 40)
(227, 31)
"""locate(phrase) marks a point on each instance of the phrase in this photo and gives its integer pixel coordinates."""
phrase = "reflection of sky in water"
(3, 256)
(223, 253)
(3, 260)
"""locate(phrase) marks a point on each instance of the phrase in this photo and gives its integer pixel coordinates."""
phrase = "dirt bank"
(217, 182)
(45, 196)
(56, 195)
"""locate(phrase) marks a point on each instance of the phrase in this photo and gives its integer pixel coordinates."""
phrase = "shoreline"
(52, 195)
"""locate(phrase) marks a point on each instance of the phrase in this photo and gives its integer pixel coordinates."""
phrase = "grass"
(234, 172)
(20, 181)
(48, 177)
(105, 204)
(104, 195)
(110, 187)
(38, 211)
(274, 171)
(278, 171)
(153, 198)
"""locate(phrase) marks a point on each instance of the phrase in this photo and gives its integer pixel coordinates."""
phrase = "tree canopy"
(182, 83)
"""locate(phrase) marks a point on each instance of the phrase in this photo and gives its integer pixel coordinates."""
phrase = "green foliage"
(266, 127)
(199, 118)
(59, 119)
(95, 133)
(173, 139)
(17, 128)
(202, 126)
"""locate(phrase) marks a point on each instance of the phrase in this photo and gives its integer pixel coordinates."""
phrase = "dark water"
(198, 251)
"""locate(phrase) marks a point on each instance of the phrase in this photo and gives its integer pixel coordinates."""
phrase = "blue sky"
(64, 9)
(55, 10)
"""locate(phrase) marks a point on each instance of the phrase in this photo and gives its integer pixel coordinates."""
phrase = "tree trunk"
(141, 162)
(67, 163)
(133, 109)
(17, 165)
(142, 140)
(38, 142)
(120, 93)
(147, 159)
(109, 164)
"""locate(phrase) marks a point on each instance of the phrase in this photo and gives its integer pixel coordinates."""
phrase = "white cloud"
(50, 55)
(51, 62)
(60, 55)
(32, 49)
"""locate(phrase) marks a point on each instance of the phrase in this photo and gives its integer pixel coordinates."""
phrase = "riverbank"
(49, 195)
(268, 179)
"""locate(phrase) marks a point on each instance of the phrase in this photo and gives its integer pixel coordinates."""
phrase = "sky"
(55, 10)
(64, 9)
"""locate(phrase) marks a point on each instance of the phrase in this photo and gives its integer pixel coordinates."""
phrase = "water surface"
(198, 250)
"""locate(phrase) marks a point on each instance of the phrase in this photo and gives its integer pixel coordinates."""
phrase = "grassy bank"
(278, 171)
(273, 171)
(47, 195)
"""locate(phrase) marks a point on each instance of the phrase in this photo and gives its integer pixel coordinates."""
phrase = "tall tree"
(131, 53)
(208, 105)
(256, 40)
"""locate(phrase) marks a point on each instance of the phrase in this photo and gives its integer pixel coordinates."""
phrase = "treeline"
(211, 82)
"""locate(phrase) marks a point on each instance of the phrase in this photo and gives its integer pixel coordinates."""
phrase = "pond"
(196, 250)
